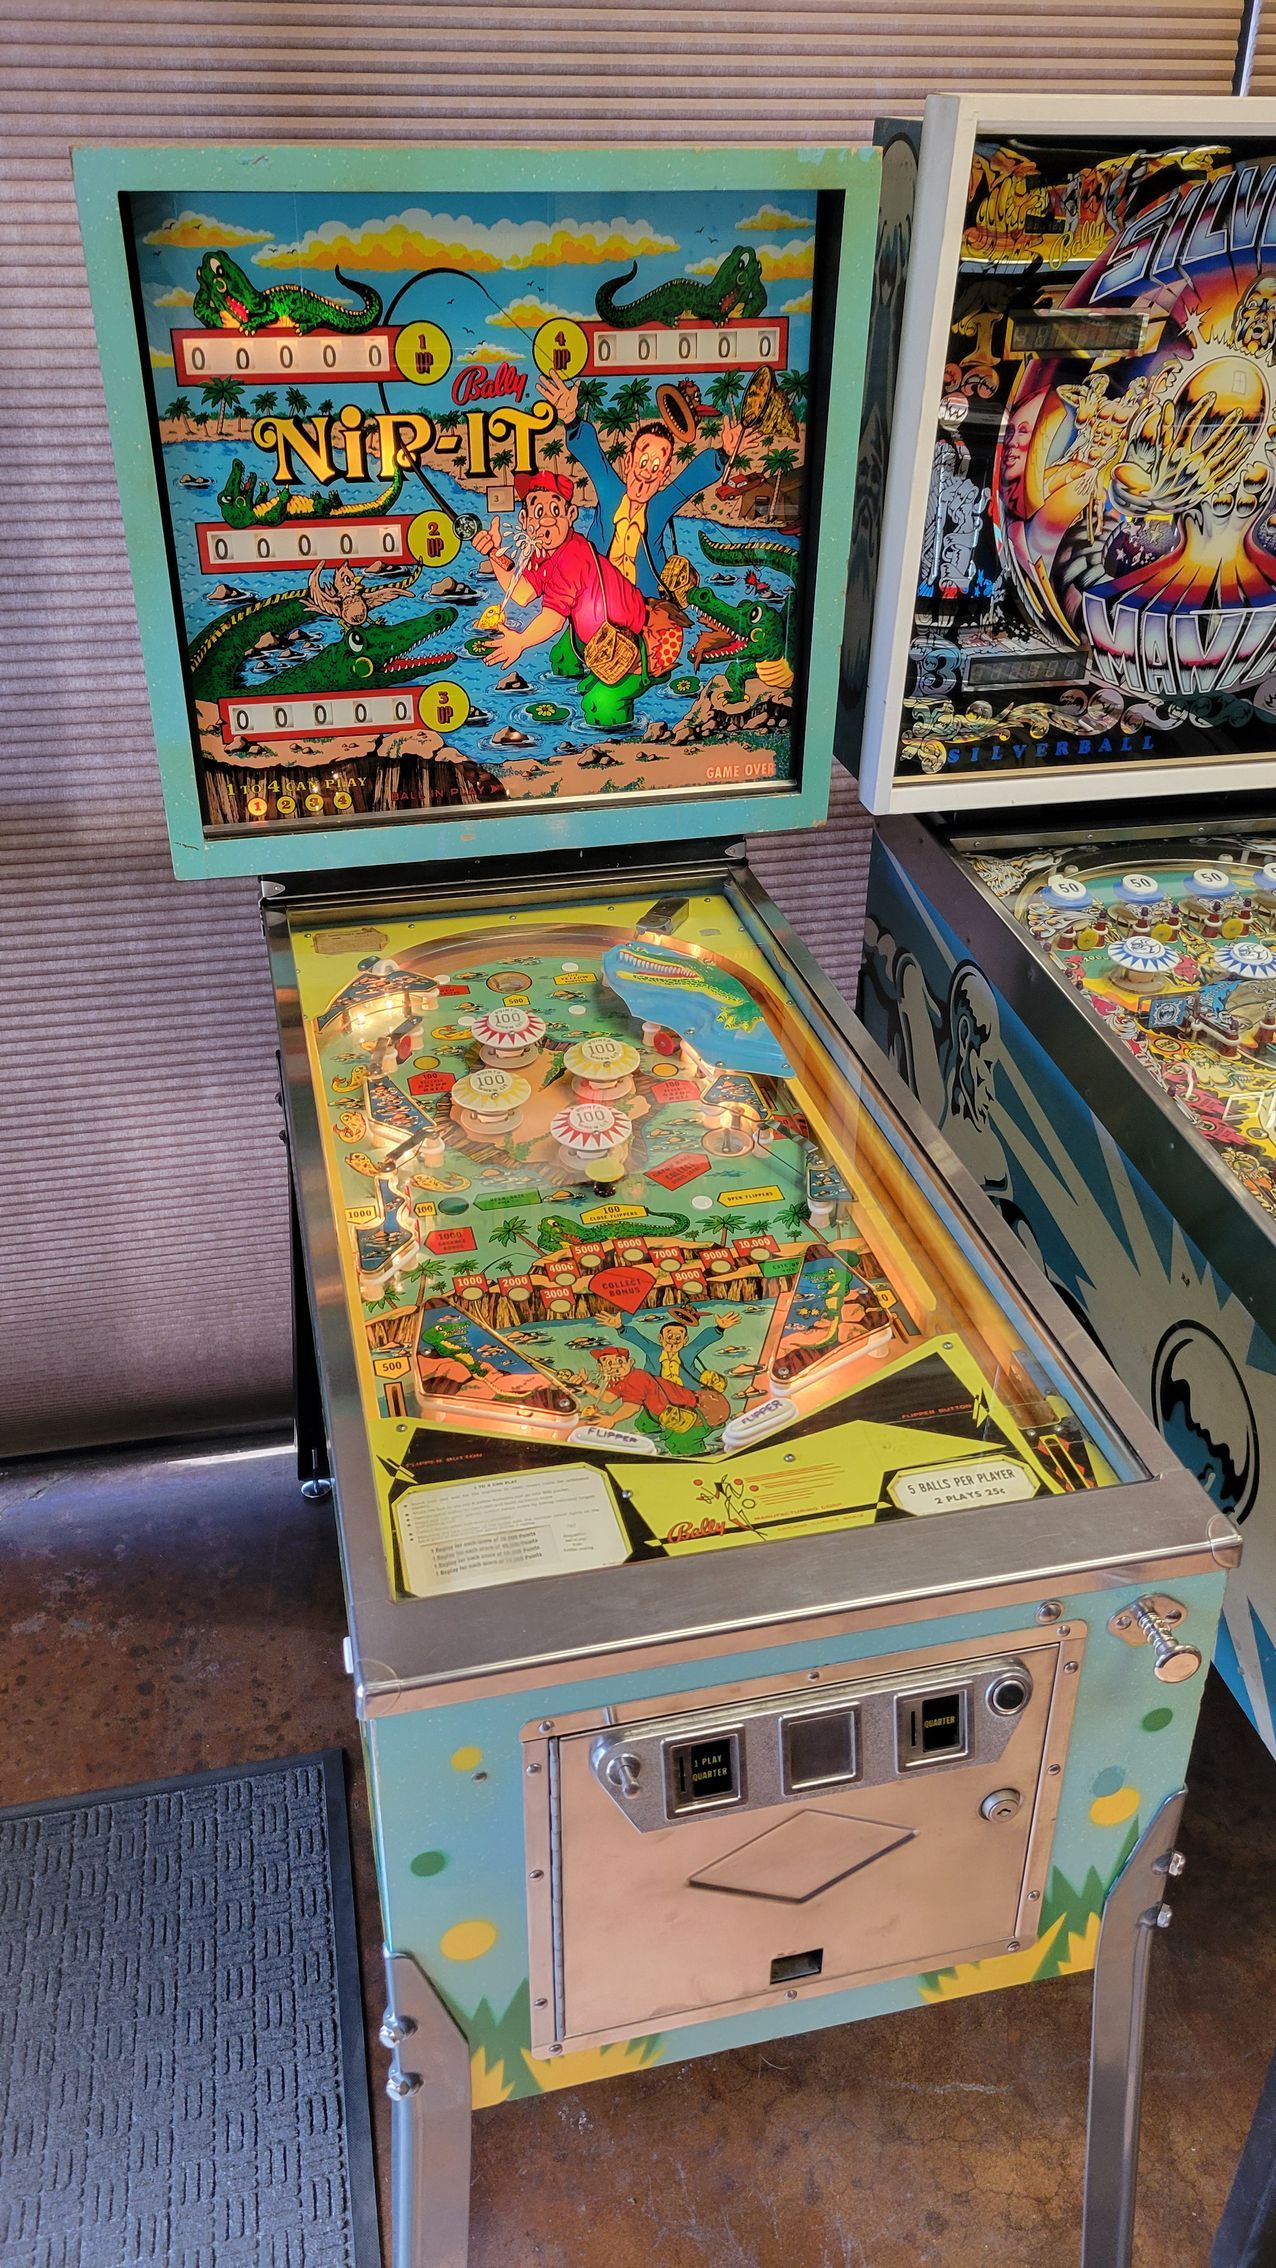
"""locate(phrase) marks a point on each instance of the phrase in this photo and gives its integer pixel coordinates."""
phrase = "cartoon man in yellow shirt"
(637, 498)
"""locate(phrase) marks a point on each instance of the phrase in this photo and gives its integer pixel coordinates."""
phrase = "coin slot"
(702, 1774)
(790, 1967)
(932, 1727)
(818, 1751)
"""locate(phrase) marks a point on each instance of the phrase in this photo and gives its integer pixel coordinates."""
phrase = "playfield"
(1177, 955)
(630, 1268)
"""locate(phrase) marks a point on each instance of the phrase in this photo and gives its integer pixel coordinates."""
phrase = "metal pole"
(307, 1398)
(1134, 1910)
(1246, 43)
(429, 2091)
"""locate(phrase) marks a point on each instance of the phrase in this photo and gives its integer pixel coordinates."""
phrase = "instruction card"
(465, 1535)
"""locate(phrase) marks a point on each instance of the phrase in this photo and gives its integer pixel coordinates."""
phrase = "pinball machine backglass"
(1077, 593)
(464, 505)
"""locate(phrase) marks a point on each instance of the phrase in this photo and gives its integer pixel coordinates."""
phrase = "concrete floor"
(162, 1615)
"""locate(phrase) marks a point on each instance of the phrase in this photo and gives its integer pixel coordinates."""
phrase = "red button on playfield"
(451, 1240)
(685, 1167)
(625, 1288)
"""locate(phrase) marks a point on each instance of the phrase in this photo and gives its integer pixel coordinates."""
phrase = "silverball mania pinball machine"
(1068, 722)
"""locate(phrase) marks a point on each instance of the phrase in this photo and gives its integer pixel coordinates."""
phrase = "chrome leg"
(1134, 1909)
(307, 1395)
(429, 2090)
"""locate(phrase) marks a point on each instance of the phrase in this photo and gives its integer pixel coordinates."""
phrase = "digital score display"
(704, 1772)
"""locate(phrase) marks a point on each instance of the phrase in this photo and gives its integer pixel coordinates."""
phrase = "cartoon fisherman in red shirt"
(586, 603)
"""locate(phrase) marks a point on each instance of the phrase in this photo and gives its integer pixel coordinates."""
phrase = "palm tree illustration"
(222, 394)
(634, 401)
(610, 418)
(179, 409)
(263, 404)
(717, 1225)
(514, 1231)
(726, 390)
(296, 401)
(325, 409)
(794, 386)
(589, 396)
(551, 450)
(428, 1273)
(778, 462)
(795, 1219)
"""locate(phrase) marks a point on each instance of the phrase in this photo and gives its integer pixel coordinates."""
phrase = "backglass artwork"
(473, 503)
(1097, 581)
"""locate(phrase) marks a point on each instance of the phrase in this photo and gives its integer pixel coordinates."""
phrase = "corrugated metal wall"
(143, 1254)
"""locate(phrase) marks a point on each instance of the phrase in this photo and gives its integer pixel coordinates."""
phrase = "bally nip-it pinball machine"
(1070, 718)
(765, 1609)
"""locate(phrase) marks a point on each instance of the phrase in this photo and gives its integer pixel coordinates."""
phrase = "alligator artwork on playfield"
(482, 506)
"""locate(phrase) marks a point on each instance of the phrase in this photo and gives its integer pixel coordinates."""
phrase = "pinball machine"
(1067, 721)
(727, 1511)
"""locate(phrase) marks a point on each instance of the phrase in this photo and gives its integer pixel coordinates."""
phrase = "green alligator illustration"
(753, 640)
(736, 289)
(225, 300)
(247, 502)
(554, 1230)
(370, 659)
(743, 552)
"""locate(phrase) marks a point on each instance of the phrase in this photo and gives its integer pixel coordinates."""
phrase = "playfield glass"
(482, 506)
(630, 1268)
(1098, 570)
(1172, 945)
